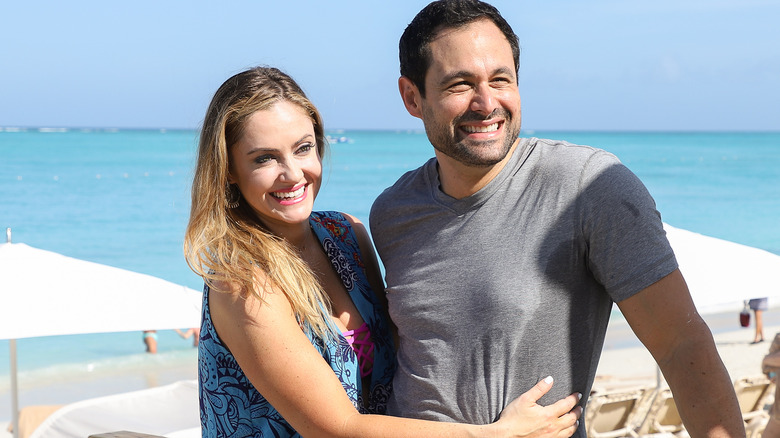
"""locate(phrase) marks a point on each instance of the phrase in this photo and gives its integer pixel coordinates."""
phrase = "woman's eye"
(263, 159)
(306, 147)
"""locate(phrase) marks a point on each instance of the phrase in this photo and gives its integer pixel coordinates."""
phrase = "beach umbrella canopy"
(43, 293)
(721, 274)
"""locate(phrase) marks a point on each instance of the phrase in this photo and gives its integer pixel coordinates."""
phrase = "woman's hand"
(523, 417)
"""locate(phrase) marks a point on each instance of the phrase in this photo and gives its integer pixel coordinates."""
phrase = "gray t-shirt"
(493, 292)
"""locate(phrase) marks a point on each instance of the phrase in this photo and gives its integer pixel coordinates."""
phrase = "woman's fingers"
(541, 388)
(525, 417)
(571, 421)
(567, 404)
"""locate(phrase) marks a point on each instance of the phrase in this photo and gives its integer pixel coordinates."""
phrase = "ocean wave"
(100, 368)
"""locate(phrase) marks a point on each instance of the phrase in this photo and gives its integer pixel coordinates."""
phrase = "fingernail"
(579, 396)
(548, 379)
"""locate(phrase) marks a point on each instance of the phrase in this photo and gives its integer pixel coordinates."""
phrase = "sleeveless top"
(231, 406)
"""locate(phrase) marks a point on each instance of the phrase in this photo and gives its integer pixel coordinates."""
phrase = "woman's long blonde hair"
(230, 244)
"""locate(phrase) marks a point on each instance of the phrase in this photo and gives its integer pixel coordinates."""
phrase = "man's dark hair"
(414, 47)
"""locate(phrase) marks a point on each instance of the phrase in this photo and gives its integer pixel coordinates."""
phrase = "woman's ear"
(230, 178)
(410, 94)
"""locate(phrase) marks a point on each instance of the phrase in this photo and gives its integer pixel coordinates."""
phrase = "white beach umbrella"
(721, 274)
(44, 293)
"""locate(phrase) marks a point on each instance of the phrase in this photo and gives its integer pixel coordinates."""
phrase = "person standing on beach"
(503, 256)
(759, 306)
(294, 336)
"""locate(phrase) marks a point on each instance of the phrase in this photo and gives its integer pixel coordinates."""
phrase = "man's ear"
(410, 94)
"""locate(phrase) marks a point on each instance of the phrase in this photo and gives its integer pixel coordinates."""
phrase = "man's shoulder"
(555, 151)
(559, 159)
(410, 180)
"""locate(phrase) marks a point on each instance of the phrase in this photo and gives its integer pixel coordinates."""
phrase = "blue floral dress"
(231, 407)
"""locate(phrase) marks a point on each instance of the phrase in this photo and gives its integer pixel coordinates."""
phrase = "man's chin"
(474, 160)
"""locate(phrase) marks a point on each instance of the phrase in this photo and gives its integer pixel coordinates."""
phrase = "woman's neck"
(299, 235)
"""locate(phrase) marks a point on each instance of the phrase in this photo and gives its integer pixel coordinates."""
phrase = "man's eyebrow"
(455, 75)
(467, 74)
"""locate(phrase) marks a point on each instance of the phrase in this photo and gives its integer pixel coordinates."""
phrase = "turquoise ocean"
(121, 198)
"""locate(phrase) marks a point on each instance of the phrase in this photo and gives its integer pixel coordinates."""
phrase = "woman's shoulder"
(336, 219)
(334, 215)
(344, 227)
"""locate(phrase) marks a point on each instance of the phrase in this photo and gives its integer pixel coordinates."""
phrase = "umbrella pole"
(14, 389)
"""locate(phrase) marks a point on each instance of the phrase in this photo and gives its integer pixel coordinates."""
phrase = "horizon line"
(64, 129)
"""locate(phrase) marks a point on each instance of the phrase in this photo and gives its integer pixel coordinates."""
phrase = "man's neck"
(461, 180)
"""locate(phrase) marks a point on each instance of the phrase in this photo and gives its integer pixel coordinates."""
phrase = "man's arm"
(665, 319)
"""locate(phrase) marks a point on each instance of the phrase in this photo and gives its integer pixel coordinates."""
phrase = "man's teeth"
(289, 195)
(488, 128)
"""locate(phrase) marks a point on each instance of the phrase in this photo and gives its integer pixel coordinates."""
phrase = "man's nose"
(483, 100)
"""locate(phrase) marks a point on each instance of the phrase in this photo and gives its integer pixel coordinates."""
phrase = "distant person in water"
(150, 340)
(194, 332)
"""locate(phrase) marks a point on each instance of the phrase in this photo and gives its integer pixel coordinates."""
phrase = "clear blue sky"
(594, 65)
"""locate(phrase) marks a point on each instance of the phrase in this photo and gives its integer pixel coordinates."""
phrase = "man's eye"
(502, 82)
(460, 86)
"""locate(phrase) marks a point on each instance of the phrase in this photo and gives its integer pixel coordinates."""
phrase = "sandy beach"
(624, 362)
(91, 385)
(625, 359)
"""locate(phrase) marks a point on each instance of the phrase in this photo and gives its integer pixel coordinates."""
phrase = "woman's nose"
(291, 171)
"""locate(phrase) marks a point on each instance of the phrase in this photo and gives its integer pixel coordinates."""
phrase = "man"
(503, 255)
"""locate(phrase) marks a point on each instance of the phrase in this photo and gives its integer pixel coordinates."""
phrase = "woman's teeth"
(290, 195)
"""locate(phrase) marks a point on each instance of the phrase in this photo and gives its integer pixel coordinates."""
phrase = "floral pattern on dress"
(230, 406)
(341, 264)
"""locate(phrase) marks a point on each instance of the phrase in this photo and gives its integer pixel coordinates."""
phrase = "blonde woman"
(295, 340)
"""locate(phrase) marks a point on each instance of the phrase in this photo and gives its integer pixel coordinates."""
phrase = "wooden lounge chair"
(30, 417)
(124, 434)
(662, 417)
(753, 394)
(617, 413)
(163, 411)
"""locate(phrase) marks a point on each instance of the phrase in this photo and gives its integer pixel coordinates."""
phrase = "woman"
(287, 287)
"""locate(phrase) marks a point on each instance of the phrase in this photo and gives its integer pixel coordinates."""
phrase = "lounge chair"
(754, 395)
(662, 417)
(616, 413)
(30, 417)
(159, 411)
(124, 434)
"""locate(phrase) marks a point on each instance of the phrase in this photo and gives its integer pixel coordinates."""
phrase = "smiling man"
(503, 255)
